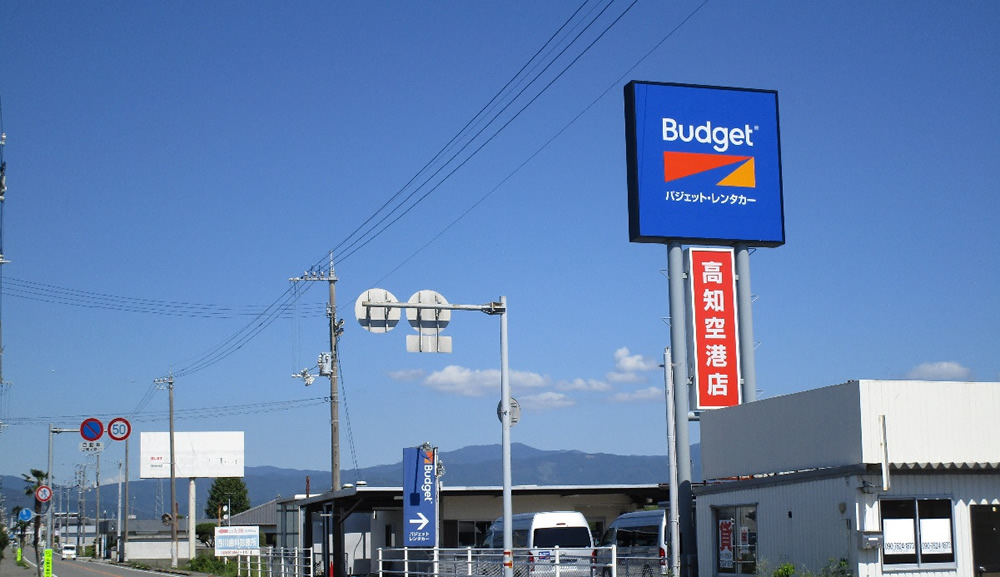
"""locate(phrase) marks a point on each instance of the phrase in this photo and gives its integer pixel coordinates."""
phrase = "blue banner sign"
(419, 498)
(704, 165)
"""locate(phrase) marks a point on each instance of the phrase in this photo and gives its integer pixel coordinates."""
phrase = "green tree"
(32, 482)
(206, 534)
(4, 540)
(227, 491)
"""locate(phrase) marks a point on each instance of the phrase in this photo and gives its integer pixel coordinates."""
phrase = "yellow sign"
(18, 555)
(48, 563)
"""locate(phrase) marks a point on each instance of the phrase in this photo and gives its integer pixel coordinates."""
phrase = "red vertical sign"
(726, 543)
(712, 285)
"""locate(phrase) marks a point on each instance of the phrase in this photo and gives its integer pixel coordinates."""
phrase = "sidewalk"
(10, 568)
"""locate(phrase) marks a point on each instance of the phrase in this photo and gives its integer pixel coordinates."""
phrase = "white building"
(886, 477)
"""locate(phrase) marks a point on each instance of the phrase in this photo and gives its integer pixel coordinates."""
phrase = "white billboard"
(203, 455)
(235, 541)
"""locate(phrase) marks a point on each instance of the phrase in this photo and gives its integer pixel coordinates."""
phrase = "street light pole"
(508, 535)
(364, 310)
(48, 516)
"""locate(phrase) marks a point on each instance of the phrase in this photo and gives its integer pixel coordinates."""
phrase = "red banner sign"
(712, 286)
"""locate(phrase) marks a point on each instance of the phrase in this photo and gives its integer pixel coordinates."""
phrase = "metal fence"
(623, 562)
(470, 562)
(277, 562)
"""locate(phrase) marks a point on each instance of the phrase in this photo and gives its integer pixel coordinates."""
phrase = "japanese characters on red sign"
(726, 556)
(712, 285)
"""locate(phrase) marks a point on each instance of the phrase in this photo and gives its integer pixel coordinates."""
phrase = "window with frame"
(463, 533)
(917, 531)
(736, 540)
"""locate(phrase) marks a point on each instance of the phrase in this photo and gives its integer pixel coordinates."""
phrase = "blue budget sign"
(704, 165)
(419, 498)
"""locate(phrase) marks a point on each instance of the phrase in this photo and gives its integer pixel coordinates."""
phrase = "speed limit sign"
(119, 429)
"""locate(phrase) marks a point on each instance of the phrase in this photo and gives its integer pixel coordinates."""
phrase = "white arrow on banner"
(423, 520)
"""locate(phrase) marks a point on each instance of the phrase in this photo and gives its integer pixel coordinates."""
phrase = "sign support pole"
(745, 319)
(678, 350)
(675, 537)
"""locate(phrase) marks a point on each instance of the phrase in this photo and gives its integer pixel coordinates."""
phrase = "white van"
(68, 552)
(641, 539)
(540, 539)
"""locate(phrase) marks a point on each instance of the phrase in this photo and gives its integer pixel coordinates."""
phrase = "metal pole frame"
(491, 308)
(679, 359)
(674, 520)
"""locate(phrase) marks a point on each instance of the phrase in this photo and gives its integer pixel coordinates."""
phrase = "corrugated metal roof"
(265, 514)
(948, 466)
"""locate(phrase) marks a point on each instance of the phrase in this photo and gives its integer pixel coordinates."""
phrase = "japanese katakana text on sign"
(715, 347)
(704, 164)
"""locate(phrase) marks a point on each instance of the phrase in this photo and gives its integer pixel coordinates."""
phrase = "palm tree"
(33, 481)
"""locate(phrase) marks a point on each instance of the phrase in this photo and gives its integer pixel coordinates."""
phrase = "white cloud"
(476, 383)
(628, 367)
(647, 394)
(625, 377)
(543, 401)
(583, 385)
(463, 381)
(526, 380)
(626, 363)
(940, 371)
(407, 375)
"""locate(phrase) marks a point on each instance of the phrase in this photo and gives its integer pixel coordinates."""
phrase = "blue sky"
(171, 166)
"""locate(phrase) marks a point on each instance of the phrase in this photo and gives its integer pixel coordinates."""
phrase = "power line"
(266, 318)
(42, 292)
(194, 413)
(461, 134)
(280, 307)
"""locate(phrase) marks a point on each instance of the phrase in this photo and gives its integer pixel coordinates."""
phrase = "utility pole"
(4, 385)
(328, 367)
(97, 513)
(118, 523)
(169, 380)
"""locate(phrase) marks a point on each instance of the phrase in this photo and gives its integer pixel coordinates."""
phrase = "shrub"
(836, 569)
(213, 565)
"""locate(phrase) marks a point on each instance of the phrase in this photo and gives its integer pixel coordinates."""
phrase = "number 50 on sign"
(119, 429)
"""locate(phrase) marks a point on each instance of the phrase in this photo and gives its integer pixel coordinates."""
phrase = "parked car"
(641, 541)
(68, 552)
(543, 539)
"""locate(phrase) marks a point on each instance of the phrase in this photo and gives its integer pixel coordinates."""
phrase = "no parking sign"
(91, 429)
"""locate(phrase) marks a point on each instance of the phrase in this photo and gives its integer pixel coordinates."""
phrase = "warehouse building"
(873, 477)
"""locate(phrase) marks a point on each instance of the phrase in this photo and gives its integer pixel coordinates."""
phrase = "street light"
(376, 310)
(48, 516)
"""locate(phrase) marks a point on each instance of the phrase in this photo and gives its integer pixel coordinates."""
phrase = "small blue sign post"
(25, 515)
(419, 497)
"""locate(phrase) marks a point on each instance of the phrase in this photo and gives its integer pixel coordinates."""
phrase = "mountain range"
(473, 466)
